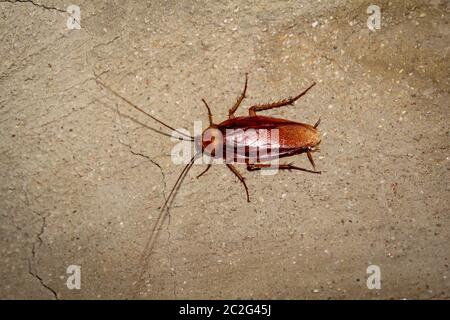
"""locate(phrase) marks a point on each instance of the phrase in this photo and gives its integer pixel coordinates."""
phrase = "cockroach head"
(212, 139)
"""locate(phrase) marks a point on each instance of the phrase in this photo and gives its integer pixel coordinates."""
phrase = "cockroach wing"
(258, 138)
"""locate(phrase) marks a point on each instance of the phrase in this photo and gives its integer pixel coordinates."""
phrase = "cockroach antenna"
(97, 79)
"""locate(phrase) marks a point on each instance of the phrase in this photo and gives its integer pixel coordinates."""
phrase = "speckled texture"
(81, 183)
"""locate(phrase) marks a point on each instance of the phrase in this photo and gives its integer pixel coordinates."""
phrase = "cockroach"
(293, 138)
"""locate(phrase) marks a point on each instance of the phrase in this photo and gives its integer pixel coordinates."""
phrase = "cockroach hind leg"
(288, 166)
(308, 153)
(317, 123)
(285, 102)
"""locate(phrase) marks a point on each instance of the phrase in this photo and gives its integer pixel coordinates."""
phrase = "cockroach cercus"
(238, 140)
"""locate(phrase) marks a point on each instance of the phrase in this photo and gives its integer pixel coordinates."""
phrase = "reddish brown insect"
(293, 138)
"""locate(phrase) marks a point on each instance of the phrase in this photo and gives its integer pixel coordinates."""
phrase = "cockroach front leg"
(239, 100)
(240, 177)
(210, 118)
(253, 109)
(204, 171)
(288, 166)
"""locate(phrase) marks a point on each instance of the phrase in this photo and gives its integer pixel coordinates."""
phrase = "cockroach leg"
(240, 177)
(308, 153)
(259, 166)
(209, 112)
(239, 100)
(260, 107)
(317, 123)
(204, 171)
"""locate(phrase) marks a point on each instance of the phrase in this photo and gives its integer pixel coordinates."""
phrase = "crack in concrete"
(39, 5)
(24, 61)
(104, 44)
(91, 51)
(36, 244)
(65, 116)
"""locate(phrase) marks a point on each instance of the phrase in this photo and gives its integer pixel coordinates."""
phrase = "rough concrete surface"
(83, 177)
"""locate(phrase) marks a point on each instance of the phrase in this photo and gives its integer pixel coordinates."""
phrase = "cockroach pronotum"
(219, 140)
